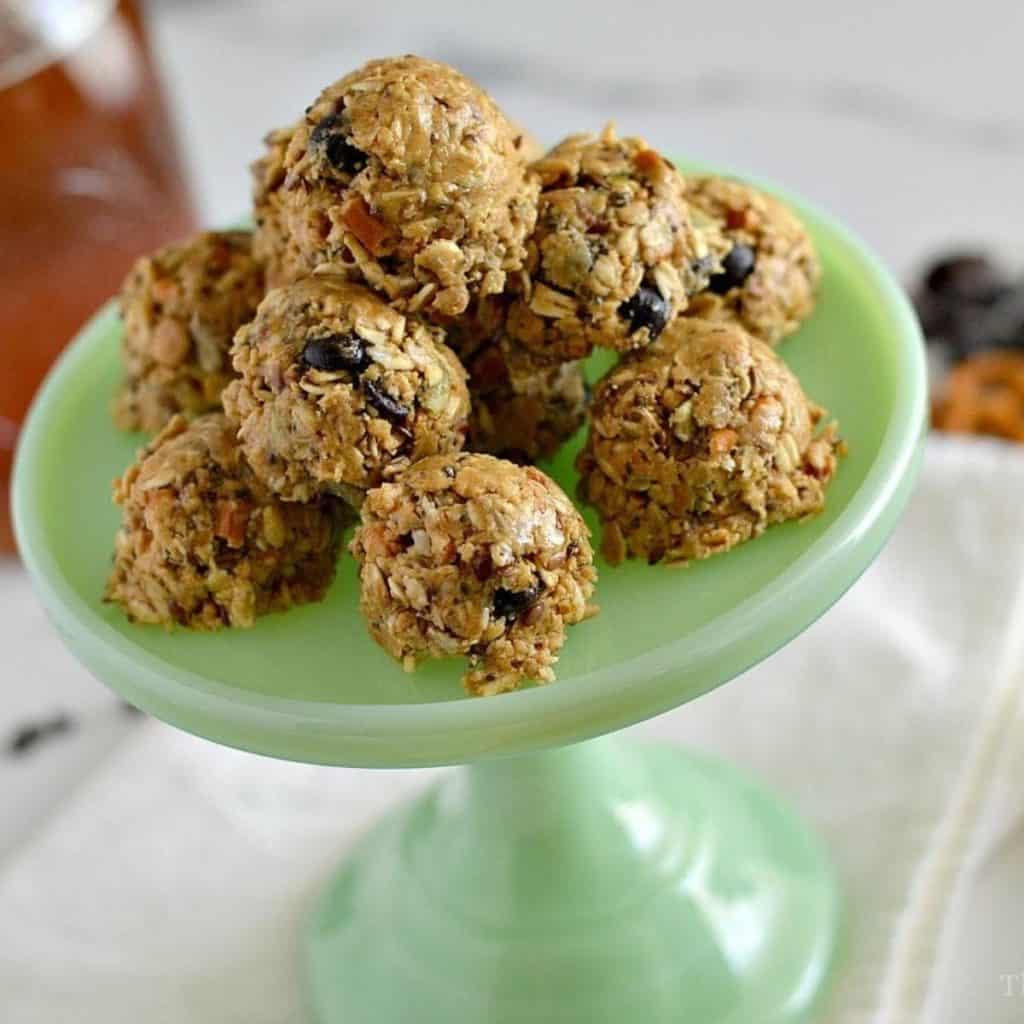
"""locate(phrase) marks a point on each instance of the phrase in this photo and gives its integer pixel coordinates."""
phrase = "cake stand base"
(603, 882)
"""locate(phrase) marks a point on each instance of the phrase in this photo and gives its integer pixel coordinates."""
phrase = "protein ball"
(338, 391)
(471, 555)
(406, 174)
(519, 411)
(698, 443)
(615, 255)
(524, 414)
(273, 245)
(181, 307)
(770, 274)
(204, 544)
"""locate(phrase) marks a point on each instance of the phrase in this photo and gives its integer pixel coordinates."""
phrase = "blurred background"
(136, 122)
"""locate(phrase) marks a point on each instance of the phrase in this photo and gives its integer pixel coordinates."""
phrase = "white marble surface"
(904, 119)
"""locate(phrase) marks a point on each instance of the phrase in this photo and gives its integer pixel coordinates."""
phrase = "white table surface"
(903, 119)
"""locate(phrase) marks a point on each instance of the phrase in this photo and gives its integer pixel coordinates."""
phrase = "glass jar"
(90, 178)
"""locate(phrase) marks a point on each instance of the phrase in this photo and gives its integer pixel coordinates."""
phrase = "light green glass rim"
(600, 701)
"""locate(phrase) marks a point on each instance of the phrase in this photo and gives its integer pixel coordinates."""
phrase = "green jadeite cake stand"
(551, 879)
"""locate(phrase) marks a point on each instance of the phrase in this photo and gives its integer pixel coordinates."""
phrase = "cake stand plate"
(551, 879)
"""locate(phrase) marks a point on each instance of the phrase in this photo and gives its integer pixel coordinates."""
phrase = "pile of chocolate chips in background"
(972, 314)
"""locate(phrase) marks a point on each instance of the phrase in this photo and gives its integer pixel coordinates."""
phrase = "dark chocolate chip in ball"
(330, 136)
(510, 604)
(390, 408)
(737, 266)
(646, 309)
(336, 352)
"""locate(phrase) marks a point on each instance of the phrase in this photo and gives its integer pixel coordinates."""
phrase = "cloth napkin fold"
(171, 886)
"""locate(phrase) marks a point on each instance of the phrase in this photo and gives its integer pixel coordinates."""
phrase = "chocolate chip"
(336, 352)
(28, 736)
(646, 309)
(390, 408)
(510, 604)
(737, 266)
(331, 137)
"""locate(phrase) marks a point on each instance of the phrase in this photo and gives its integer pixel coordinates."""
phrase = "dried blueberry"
(330, 136)
(510, 604)
(390, 408)
(737, 266)
(646, 309)
(335, 352)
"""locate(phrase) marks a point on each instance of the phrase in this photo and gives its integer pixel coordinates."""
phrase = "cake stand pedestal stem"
(597, 883)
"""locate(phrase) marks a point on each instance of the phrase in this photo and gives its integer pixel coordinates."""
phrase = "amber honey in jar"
(90, 178)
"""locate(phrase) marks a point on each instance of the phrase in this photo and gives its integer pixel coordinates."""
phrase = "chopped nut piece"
(358, 219)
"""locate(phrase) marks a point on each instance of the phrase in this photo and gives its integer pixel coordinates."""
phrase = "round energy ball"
(204, 544)
(522, 414)
(273, 245)
(698, 443)
(181, 307)
(615, 255)
(520, 411)
(406, 174)
(338, 391)
(770, 274)
(469, 555)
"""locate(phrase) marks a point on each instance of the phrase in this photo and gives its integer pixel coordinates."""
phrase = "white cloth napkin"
(171, 886)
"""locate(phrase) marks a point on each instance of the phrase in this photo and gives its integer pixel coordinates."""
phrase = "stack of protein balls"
(402, 336)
